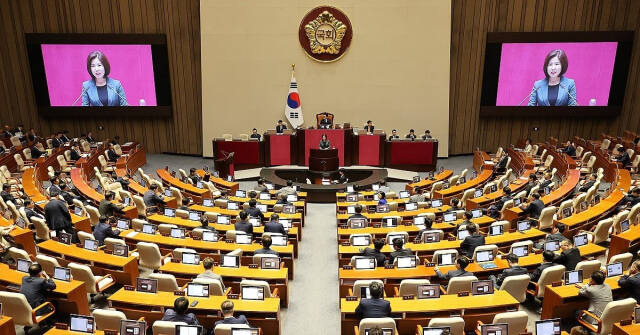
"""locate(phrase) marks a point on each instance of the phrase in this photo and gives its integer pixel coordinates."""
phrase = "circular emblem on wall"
(325, 33)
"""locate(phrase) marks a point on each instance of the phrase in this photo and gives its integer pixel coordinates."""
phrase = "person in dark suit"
(324, 142)
(557, 234)
(548, 257)
(104, 229)
(227, 313)
(54, 186)
(123, 180)
(194, 176)
(179, 313)
(588, 183)
(455, 205)
(253, 211)
(369, 127)
(411, 135)
(112, 156)
(631, 282)
(64, 137)
(546, 181)
(633, 197)
(569, 149)
(533, 181)
(28, 210)
(533, 208)
(513, 270)
(378, 244)
(186, 202)
(107, 207)
(266, 247)
(32, 136)
(325, 123)
(376, 307)
(152, 198)
(466, 222)
(399, 250)
(501, 167)
(358, 214)
(273, 226)
(342, 178)
(57, 216)
(506, 197)
(471, 242)
(394, 135)
(74, 153)
(623, 157)
(461, 264)
(569, 257)
(90, 138)
(280, 127)
(427, 134)
(116, 140)
(254, 134)
(57, 142)
(243, 224)
(6, 194)
(35, 152)
(36, 287)
(7, 131)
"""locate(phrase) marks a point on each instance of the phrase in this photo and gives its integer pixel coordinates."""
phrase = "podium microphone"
(121, 97)
(80, 96)
(528, 95)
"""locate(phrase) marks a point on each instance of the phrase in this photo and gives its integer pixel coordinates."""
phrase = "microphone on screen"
(528, 95)
(80, 96)
(121, 97)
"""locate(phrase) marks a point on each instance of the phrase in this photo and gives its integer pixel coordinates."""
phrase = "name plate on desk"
(175, 260)
(430, 265)
(128, 288)
(346, 244)
(178, 293)
(351, 298)
(196, 238)
(253, 266)
(108, 251)
(233, 296)
(407, 223)
(110, 332)
(451, 238)
(376, 225)
(344, 226)
(463, 294)
(408, 297)
(229, 241)
(388, 266)
(625, 322)
(347, 267)
(61, 326)
(556, 284)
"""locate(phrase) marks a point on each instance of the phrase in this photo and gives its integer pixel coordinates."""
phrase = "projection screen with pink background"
(590, 66)
(66, 69)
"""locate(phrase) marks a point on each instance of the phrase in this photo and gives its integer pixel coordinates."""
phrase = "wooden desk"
(534, 260)
(134, 186)
(411, 229)
(453, 191)
(426, 183)
(563, 301)
(23, 237)
(71, 296)
(231, 186)
(631, 329)
(409, 215)
(133, 160)
(264, 314)
(419, 312)
(123, 269)
(7, 327)
(234, 213)
(624, 242)
(488, 199)
(197, 194)
(77, 177)
(54, 331)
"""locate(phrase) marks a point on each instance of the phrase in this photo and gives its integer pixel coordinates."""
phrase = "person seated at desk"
(557, 234)
(399, 250)
(36, 153)
(501, 167)
(194, 176)
(6, 194)
(255, 135)
(427, 134)
(513, 270)
(74, 153)
(66, 194)
(342, 178)
(287, 190)
(461, 264)
(179, 313)
(588, 183)
(105, 229)
(29, 210)
(467, 222)
(411, 135)
(253, 211)
(152, 197)
(208, 273)
(569, 257)
(547, 257)
(324, 142)
(622, 157)
(383, 198)
(546, 181)
(632, 198)
(569, 149)
(455, 205)
(112, 156)
(369, 127)
(266, 247)
(418, 197)
(631, 282)
(471, 242)
(376, 307)
(186, 202)
(274, 226)
(123, 180)
(115, 140)
(227, 313)
(261, 187)
(90, 137)
(36, 287)
(243, 224)
(533, 208)
(506, 197)
(358, 214)
(325, 123)
(107, 207)
(394, 135)
(533, 182)
(2, 150)
(598, 293)
(280, 127)
(252, 194)
(56, 141)
(376, 252)
(32, 136)
(282, 200)
(578, 330)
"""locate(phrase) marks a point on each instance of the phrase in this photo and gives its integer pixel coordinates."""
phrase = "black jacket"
(274, 227)
(104, 230)
(632, 285)
(56, 142)
(244, 226)
(35, 153)
(624, 159)
(280, 128)
(113, 156)
(470, 243)
(556, 237)
(501, 202)
(534, 209)
(36, 289)
(75, 155)
(6, 196)
(57, 215)
(535, 275)
(453, 274)
(31, 213)
(254, 212)
(586, 186)
(373, 308)
(570, 150)
(108, 208)
(401, 252)
(379, 256)
(241, 319)
(569, 258)
(513, 271)
(152, 199)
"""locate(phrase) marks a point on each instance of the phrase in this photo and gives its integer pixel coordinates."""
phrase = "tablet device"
(194, 216)
(624, 226)
(410, 206)
(255, 222)
(428, 291)
(365, 263)
(123, 224)
(406, 262)
(548, 327)
(493, 188)
(207, 202)
(351, 210)
(390, 222)
(436, 203)
(520, 251)
(77, 211)
(245, 331)
(223, 219)
(61, 273)
(288, 209)
(126, 201)
(573, 277)
(243, 239)
(375, 187)
(64, 238)
(430, 237)
(210, 236)
(361, 240)
(551, 246)
(462, 234)
(450, 217)
(230, 261)
(81, 323)
(170, 212)
(167, 192)
(177, 232)
(241, 194)
(198, 290)
(446, 259)
(190, 258)
(148, 228)
(524, 226)
(232, 205)
(252, 293)
(392, 237)
(279, 240)
(482, 287)
(614, 269)
(496, 230)
(132, 327)
(477, 194)
(264, 196)
(476, 213)
(146, 285)
(350, 189)
(580, 240)
(382, 208)
(292, 198)
(403, 194)
(91, 244)
(484, 256)
(23, 265)
(262, 207)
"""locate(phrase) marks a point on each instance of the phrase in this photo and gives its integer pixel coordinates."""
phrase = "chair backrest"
(601, 232)
(176, 194)
(499, 151)
(117, 149)
(464, 173)
(235, 252)
(368, 323)
(165, 327)
(453, 180)
(548, 276)
(616, 311)
(605, 144)
(94, 214)
(27, 153)
(410, 286)
(588, 267)
(546, 217)
(625, 258)
(61, 161)
(150, 256)
(436, 186)
(137, 224)
(140, 206)
(42, 230)
(17, 253)
(459, 284)
(488, 247)
(177, 252)
(83, 273)
(634, 213)
(468, 194)
(548, 161)
(517, 321)
(225, 329)
(363, 283)
(506, 225)
(83, 235)
(215, 286)
(455, 324)
(259, 283)
(17, 307)
(516, 286)
(102, 161)
(165, 228)
(108, 319)
(166, 282)
(577, 201)
(67, 155)
(617, 220)
(109, 242)
(47, 263)
(579, 151)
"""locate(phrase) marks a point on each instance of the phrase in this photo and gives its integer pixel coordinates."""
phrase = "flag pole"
(293, 69)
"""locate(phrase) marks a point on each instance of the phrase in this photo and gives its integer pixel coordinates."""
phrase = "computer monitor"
(449, 217)
(264, 196)
(551, 245)
(548, 327)
(352, 197)
(365, 263)
(199, 184)
(462, 180)
(382, 208)
(351, 210)
(177, 232)
(170, 212)
(573, 277)
(580, 240)
(415, 179)
(148, 228)
(484, 256)
(361, 240)
(566, 212)
(190, 330)
(524, 226)
(241, 194)
(210, 236)
(614, 269)
(255, 222)
(495, 329)
(288, 209)
(269, 186)
(198, 290)
(207, 202)
(65, 238)
(365, 292)
(419, 220)
(77, 211)
(403, 194)
(436, 203)
(410, 206)
(279, 240)
(505, 183)
(636, 314)
(435, 330)
(270, 263)
(517, 201)
(431, 237)
(243, 239)
(123, 224)
(223, 219)
(61, 273)
(406, 262)
(462, 234)
(126, 201)
(446, 259)
(20, 223)
(90, 245)
(493, 188)
(547, 190)
(481, 287)
(375, 187)
(496, 230)
(428, 291)
(392, 237)
(232, 205)
(430, 174)
(121, 250)
(245, 331)
(476, 213)
(132, 327)
(194, 216)
(252, 293)
(230, 261)
(262, 207)
(385, 331)
(190, 258)
(286, 223)
(390, 222)
(23, 265)
(477, 194)
(520, 251)
(167, 192)
(81, 323)
(292, 198)
(350, 189)
(146, 285)
(624, 226)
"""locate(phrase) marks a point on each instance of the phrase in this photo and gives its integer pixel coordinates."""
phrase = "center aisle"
(313, 308)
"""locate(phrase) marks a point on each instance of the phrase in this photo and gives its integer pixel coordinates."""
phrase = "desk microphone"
(528, 95)
(121, 97)
(80, 96)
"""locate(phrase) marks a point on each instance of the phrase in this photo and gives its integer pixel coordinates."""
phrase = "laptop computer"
(190, 258)
(132, 327)
(481, 287)
(198, 290)
(365, 263)
(548, 327)
(614, 269)
(63, 274)
(495, 329)
(435, 330)
(573, 277)
(189, 330)
(230, 261)
(81, 323)
(428, 291)
(146, 285)
(252, 293)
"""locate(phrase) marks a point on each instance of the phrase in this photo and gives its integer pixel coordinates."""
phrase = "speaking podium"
(323, 160)
(224, 165)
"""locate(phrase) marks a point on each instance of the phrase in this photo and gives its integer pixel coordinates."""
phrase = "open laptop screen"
(81, 323)
(548, 327)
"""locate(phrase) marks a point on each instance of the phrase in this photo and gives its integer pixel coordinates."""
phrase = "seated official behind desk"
(280, 127)
(513, 270)
(36, 287)
(179, 312)
(324, 142)
(376, 307)
(461, 264)
(227, 313)
(631, 282)
(266, 247)
(375, 252)
(569, 257)
(598, 292)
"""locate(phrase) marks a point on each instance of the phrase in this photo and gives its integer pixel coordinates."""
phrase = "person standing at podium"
(324, 142)
(281, 127)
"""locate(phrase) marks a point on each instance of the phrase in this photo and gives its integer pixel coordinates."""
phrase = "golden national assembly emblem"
(325, 33)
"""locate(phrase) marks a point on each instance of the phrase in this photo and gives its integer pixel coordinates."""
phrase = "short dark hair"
(102, 218)
(260, 181)
(181, 305)
(561, 227)
(252, 203)
(289, 182)
(428, 223)
(102, 58)
(153, 187)
(109, 195)
(472, 228)
(411, 130)
(35, 269)
(562, 57)
(186, 201)
(382, 195)
(506, 190)
(226, 307)
(535, 195)
(207, 263)
(463, 261)
(5, 186)
(378, 244)
(375, 331)
(358, 209)
(54, 193)
(598, 277)
(533, 176)
(368, 121)
(266, 241)
(375, 288)
(455, 201)
(468, 215)
(512, 258)
(548, 255)
(27, 202)
(252, 194)
(243, 215)
(274, 217)
(398, 243)
(192, 170)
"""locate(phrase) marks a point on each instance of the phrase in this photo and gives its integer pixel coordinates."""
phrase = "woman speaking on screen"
(101, 90)
(555, 89)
